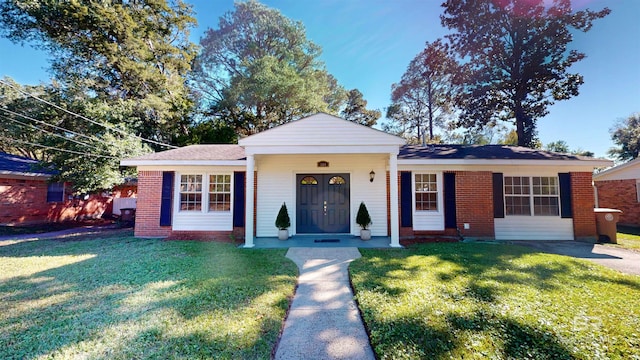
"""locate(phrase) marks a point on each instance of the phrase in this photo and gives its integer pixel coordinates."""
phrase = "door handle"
(324, 208)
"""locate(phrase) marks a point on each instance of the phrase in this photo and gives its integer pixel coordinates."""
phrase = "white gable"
(629, 170)
(321, 130)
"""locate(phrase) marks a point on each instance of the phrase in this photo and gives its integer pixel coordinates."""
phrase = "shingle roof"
(490, 152)
(18, 165)
(198, 152)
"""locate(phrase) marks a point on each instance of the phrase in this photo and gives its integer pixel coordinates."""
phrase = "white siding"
(321, 130)
(533, 228)
(277, 184)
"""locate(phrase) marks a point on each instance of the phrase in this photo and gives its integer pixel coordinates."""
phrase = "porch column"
(393, 192)
(250, 190)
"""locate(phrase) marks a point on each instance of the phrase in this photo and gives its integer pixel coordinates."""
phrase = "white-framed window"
(205, 192)
(190, 192)
(426, 192)
(219, 192)
(531, 195)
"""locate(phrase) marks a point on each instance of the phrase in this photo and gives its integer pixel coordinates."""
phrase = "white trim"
(202, 220)
(321, 149)
(393, 194)
(18, 175)
(249, 203)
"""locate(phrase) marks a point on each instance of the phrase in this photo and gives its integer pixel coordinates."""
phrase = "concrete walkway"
(323, 321)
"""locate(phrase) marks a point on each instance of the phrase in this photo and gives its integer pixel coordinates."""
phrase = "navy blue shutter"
(167, 198)
(498, 196)
(450, 220)
(566, 211)
(238, 198)
(406, 218)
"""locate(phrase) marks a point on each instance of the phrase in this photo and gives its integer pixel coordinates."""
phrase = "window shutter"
(566, 211)
(166, 201)
(406, 217)
(238, 198)
(450, 220)
(498, 196)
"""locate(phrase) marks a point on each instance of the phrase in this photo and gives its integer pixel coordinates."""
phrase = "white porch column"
(248, 209)
(393, 192)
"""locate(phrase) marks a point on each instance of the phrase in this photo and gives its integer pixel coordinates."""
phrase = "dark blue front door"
(322, 203)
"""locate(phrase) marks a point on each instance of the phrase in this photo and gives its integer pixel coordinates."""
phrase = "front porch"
(322, 241)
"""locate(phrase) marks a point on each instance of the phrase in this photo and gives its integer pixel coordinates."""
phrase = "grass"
(121, 298)
(7, 230)
(629, 238)
(476, 301)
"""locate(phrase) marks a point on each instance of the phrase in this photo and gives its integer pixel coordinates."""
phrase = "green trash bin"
(606, 220)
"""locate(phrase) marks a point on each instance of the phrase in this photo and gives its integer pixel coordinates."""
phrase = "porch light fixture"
(372, 175)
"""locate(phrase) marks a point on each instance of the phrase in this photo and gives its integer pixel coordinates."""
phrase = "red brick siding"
(582, 200)
(474, 203)
(219, 236)
(622, 195)
(148, 206)
(24, 201)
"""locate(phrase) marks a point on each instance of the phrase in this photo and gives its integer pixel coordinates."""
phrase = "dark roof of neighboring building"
(198, 152)
(17, 165)
(490, 152)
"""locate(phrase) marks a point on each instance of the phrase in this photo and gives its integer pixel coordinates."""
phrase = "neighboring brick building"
(323, 167)
(27, 196)
(619, 188)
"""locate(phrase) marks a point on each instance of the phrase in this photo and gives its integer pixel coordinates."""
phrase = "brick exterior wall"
(24, 201)
(148, 206)
(583, 201)
(622, 195)
(474, 203)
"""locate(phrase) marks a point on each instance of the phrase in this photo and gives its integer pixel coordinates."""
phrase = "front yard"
(629, 238)
(121, 297)
(477, 301)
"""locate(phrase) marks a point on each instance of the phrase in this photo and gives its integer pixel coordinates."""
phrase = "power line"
(86, 118)
(56, 149)
(92, 138)
(47, 131)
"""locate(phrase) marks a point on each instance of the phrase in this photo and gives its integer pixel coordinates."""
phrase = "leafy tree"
(517, 58)
(356, 110)
(135, 51)
(423, 98)
(560, 146)
(258, 70)
(212, 131)
(626, 134)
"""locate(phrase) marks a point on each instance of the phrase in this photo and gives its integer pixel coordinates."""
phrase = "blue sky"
(367, 44)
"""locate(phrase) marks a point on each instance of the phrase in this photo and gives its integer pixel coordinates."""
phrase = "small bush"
(283, 221)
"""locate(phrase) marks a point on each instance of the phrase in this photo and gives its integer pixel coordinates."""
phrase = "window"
(55, 192)
(190, 192)
(337, 180)
(309, 180)
(426, 192)
(537, 195)
(219, 192)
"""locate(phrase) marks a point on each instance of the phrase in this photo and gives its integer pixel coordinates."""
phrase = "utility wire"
(56, 149)
(92, 138)
(47, 131)
(86, 118)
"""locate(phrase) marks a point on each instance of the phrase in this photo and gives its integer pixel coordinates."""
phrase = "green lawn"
(122, 298)
(629, 238)
(476, 301)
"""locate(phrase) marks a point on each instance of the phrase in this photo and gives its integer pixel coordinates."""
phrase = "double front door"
(322, 203)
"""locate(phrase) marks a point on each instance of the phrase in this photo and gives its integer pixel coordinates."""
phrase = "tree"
(516, 54)
(423, 98)
(115, 51)
(626, 134)
(559, 146)
(258, 70)
(356, 110)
